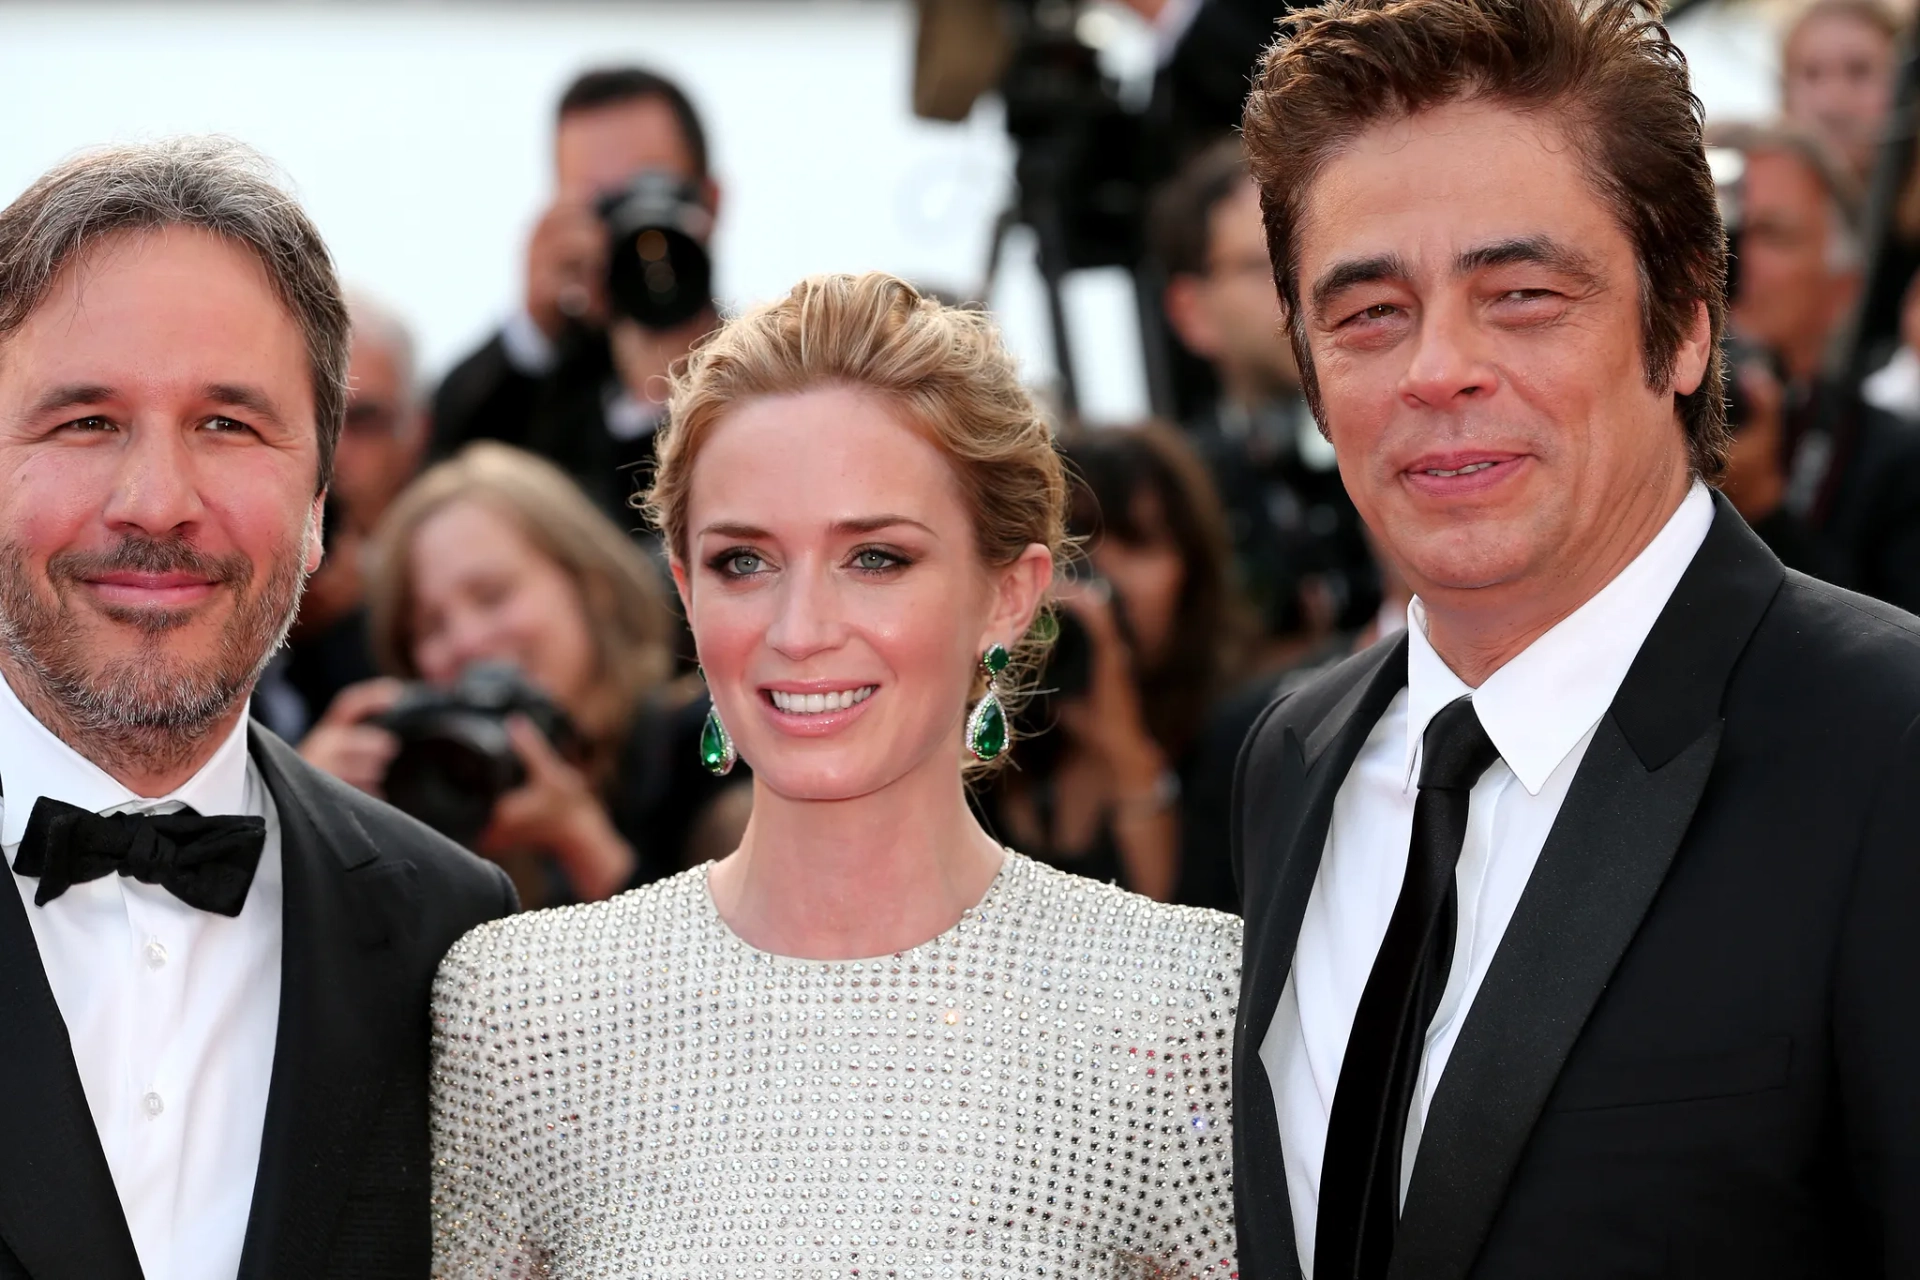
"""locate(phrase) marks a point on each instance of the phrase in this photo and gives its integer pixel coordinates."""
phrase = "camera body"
(456, 759)
(658, 271)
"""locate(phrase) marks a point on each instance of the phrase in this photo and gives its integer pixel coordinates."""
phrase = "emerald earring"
(987, 726)
(716, 744)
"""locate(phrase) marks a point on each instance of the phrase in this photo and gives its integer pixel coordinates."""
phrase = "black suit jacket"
(373, 900)
(1697, 1052)
(560, 416)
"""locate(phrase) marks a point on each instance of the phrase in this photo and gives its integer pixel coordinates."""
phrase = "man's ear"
(1188, 317)
(1022, 589)
(1696, 345)
(316, 531)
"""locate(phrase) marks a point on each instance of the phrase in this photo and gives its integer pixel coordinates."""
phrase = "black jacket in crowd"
(373, 900)
(1697, 1053)
(1858, 523)
(561, 415)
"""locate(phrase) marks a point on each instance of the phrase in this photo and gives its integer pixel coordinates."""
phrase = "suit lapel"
(1302, 777)
(341, 1020)
(59, 1211)
(1603, 863)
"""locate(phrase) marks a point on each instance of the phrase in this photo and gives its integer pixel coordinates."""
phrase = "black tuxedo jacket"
(373, 900)
(1697, 1053)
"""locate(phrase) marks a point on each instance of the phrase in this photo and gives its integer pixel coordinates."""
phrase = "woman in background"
(1153, 635)
(871, 1040)
(494, 556)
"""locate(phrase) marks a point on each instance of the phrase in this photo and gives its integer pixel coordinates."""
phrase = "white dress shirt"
(1540, 710)
(172, 1011)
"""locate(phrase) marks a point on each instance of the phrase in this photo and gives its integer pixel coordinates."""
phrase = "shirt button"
(153, 1105)
(156, 954)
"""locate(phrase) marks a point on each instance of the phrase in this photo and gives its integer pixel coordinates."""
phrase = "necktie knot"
(1455, 750)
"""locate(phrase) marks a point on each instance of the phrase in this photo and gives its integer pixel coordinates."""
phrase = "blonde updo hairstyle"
(943, 369)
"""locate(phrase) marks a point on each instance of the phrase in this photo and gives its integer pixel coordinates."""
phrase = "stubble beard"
(149, 711)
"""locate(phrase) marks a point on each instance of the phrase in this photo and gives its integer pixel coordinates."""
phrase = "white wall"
(418, 134)
(1733, 53)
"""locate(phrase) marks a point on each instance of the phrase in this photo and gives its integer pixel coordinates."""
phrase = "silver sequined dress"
(628, 1089)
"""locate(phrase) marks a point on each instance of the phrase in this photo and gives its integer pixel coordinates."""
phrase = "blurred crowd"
(493, 641)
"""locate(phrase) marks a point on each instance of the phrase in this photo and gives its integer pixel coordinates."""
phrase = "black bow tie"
(207, 863)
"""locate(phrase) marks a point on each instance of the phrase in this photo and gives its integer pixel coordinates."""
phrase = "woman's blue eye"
(741, 563)
(873, 561)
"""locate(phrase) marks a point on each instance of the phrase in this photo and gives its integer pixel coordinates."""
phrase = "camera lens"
(449, 777)
(658, 271)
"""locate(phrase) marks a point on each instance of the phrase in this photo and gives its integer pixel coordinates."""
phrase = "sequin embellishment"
(627, 1089)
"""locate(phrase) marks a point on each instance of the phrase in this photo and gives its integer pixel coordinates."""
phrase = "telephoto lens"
(658, 271)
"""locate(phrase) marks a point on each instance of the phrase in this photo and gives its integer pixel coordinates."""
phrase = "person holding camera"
(618, 287)
(539, 729)
(1149, 631)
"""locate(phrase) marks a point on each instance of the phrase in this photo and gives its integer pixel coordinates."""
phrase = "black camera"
(658, 271)
(455, 758)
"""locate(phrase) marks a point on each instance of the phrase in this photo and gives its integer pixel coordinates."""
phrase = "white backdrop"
(418, 135)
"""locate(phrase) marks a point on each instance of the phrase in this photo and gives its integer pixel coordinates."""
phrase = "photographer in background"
(1829, 481)
(495, 557)
(1149, 636)
(1299, 554)
(575, 375)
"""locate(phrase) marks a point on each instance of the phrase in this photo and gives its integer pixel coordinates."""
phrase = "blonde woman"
(871, 1041)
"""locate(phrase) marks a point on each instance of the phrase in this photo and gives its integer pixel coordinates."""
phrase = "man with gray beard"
(214, 974)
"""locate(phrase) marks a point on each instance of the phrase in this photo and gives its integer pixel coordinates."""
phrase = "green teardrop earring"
(987, 726)
(716, 744)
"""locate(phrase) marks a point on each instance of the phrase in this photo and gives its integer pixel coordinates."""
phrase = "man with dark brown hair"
(1302, 560)
(1579, 916)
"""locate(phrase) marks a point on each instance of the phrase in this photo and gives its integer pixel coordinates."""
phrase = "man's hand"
(644, 357)
(567, 268)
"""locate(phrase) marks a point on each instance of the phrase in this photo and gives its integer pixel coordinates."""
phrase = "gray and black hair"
(215, 184)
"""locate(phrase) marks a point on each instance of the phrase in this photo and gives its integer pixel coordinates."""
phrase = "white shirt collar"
(629, 418)
(1539, 706)
(35, 763)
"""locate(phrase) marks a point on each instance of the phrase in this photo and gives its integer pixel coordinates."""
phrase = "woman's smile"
(813, 702)
(814, 710)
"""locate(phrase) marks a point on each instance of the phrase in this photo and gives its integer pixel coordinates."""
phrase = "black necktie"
(1360, 1175)
(207, 863)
